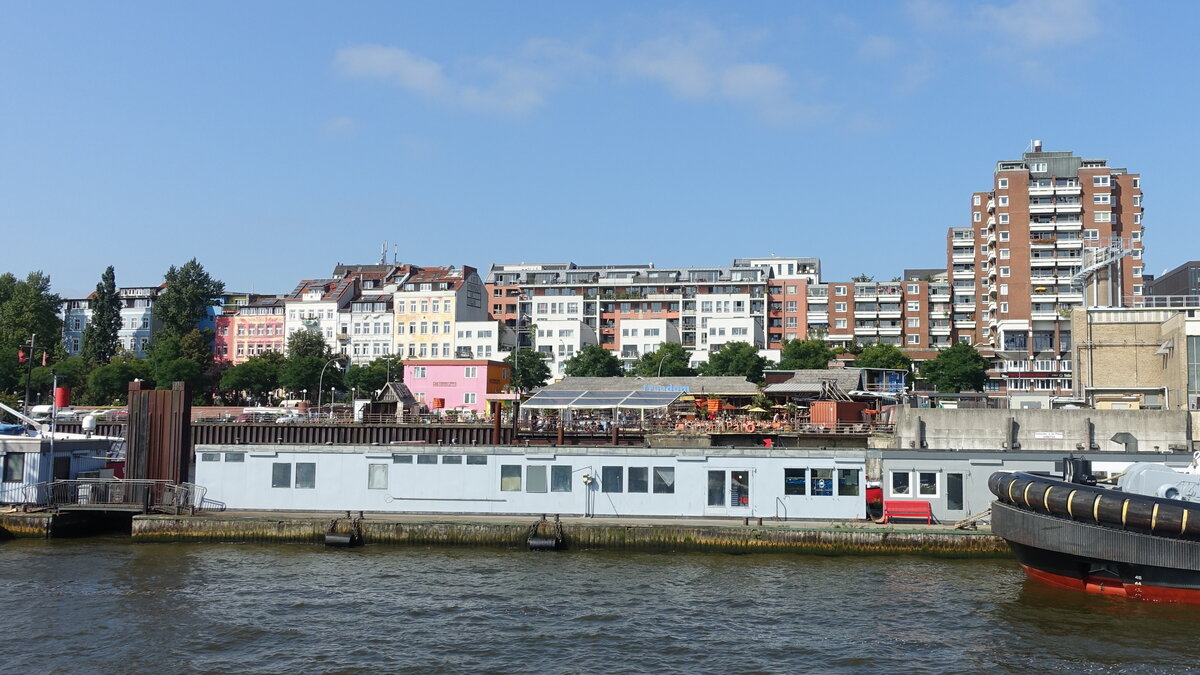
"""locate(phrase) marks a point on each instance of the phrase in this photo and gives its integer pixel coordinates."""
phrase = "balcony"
(1068, 208)
(818, 317)
(1070, 244)
(1041, 208)
(958, 257)
(964, 274)
(964, 323)
(939, 330)
(889, 311)
(1041, 190)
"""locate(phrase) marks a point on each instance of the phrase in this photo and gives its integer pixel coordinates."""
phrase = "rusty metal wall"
(344, 434)
(158, 435)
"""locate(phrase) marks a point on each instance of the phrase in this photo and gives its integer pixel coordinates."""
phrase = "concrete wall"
(448, 484)
(1061, 431)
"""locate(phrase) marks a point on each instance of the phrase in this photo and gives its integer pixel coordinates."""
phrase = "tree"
(311, 374)
(184, 303)
(308, 343)
(805, 355)
(28, 307)
(669, 360)
(880, 355)
(529, 369)
(258, 376)
(371, 377)
(109, 384)
(735, 359)
(593, 361)
(955, 369)
(100, 342)
(862, 278)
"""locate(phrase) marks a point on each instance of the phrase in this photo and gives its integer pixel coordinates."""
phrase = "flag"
(43, 359)
(20, 356)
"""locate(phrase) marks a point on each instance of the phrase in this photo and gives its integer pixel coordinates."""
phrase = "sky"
(273, 140)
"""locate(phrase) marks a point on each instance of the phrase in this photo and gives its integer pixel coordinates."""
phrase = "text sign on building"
(1048, 435)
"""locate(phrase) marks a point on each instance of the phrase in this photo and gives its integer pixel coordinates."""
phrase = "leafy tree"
(72, 373)
(529, 369)
(737, 359)
(371, 377)
(196, 346)
(181, 370)
(805, 355)
(28, 307)
(310, 373)
(862, 278)
(880, 355)
(257, 376)
(593, 361)
(184, 303)
(100, 342)
(955, 369)
(308, 343)
(109, 384)
(669, 360)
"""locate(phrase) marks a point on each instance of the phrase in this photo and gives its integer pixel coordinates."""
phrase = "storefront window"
(510, 478)
(822, 482)
(795, 481)
(848, 482)
(716, 488)
(901, 484)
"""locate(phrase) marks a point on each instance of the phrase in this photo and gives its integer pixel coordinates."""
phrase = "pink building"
(455, 384)
(250, 329)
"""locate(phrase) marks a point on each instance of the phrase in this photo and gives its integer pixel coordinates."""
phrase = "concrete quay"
(619, 534)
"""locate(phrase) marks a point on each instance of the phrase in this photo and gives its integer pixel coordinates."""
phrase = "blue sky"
(272, 140)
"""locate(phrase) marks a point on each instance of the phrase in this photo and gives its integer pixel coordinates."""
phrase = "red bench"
(907, 508)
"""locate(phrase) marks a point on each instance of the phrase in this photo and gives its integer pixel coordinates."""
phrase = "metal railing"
(99, 494)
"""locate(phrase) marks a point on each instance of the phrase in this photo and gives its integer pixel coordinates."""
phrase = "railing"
(98, 494)
(705, 427)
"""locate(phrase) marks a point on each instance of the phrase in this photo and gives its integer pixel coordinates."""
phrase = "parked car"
(258, 418)
(291, 418)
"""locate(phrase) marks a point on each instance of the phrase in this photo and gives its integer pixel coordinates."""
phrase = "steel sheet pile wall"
(158, 436)
(344, 434)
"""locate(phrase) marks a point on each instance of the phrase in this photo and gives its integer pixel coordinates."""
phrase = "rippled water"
(106, 604)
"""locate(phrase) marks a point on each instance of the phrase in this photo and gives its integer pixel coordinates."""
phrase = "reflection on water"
(108, 604)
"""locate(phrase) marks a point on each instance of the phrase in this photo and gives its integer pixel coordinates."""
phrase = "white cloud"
(1045, 23)
(514, 85)
(701, 62)
(340, 125)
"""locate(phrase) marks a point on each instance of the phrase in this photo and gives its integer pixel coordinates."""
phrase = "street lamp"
(321, 382)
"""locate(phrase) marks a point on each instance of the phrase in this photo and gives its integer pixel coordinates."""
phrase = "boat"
(1138, 539)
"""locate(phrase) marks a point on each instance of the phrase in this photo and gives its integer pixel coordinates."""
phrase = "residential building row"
(1053, 233)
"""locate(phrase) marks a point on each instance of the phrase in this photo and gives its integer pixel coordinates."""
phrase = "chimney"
(1037, 146)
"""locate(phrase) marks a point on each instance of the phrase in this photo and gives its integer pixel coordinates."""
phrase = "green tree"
(593, 361)
(529, 369)
(109, 384)
(28, 307)
(880, 355)
(669, 360)
(100, 342)
(185, 300)
(308, 343)
(735, 359)
(310, 373)
(805, 355)
(257, 376)
(370, 378)
(955, 369)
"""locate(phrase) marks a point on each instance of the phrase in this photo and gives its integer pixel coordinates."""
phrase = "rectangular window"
(281, 475)
(1004, 235)
(510, 478)
(427, 459)
(977, 217)
(1102, 217)
(1098, 181)
(610, 479)
(954, 491)
(560, 478)
(235, 457)
(1002, 201)
(1102, 198)
(914, 305)
(639, 479)
(1005, 272)
(535, 478)
(377, 476)
(927, 483)
(471, 371)
(822, 482)
(847, 482)
(14, 467)
(402, 459)
(839, 306)
(901, 484)
(839, 290)
(1005, 253)
(306, 475)
(476, 459)
(209, 457)
(1002, 184)
(795, 481)
(716, 488)
(976, 200)
(1003, 220)
(664, 480)
(452, 459)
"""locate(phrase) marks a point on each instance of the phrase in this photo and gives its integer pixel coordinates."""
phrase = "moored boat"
(1140, 539)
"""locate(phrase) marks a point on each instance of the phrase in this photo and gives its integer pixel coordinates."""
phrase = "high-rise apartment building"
(1055, 232)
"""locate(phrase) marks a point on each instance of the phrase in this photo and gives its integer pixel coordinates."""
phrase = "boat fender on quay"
(554, 541)
(335, 539)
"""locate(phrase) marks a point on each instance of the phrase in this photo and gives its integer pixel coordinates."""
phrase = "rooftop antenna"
(395, 254)
(383, 254)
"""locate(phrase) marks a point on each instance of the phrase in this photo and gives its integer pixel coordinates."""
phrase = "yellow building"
(429, 303)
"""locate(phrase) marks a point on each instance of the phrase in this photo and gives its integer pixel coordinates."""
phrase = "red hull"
(1110, 586)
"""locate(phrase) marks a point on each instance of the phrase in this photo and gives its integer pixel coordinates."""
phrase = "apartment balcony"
(961, 258)
(1041, 190)
(1049, 261)
(1060, 226)
(1042, 227)
(939, 330)
(870, 331)
(1041, 208)
(670, 297)
(890, 331)
(818, 317)
(964, 323)
(964, 274)
(991, 221)
(940, 296)
(964, 307)
(889, 312)
(991, 205)
(1075, 298)
(1070, 244)
(1043, 244)
(1044, 315)
(1068, 208)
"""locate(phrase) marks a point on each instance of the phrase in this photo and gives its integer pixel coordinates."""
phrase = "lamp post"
(28, 370)
(661, 361)
(321, 382)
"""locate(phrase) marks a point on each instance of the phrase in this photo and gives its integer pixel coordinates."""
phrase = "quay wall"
(854, 538)
(25, 525)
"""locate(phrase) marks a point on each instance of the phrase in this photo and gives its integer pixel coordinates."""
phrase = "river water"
(106, 604)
